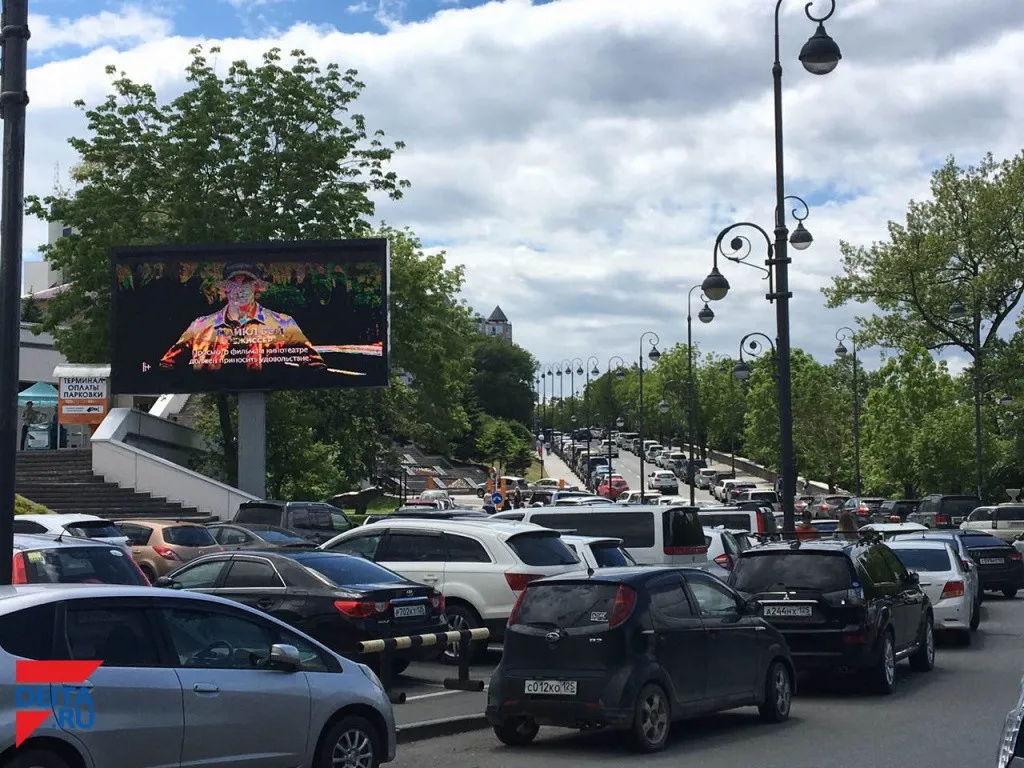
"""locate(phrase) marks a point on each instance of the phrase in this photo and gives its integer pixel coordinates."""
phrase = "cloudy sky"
(579, 156)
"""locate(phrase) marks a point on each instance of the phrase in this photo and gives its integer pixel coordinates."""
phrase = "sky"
(580, 156)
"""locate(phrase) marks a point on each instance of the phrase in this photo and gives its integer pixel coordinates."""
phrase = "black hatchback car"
(1000, 565)
(843, 606)
(634, 648)
(338, 599)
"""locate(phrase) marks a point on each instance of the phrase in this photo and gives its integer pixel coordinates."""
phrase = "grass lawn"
(535, 472)
(382, 504)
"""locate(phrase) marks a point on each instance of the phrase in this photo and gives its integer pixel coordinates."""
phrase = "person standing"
(847, 528)
(29, 418)
(517, 499)
(805, 528)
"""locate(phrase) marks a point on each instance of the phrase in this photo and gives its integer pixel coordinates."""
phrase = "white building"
(495, 325)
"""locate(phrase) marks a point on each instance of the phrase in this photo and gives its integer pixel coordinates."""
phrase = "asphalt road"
(948, 718)
(628, 465)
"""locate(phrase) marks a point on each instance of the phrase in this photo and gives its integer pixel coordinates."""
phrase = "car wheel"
(923, 659)
(36, 758)
(976, 617)
(1009, 593)
(651, 718)
(778, 694)
(462, 617)
(517, 731)
(884, 673)
(351, 742)
(148, 572)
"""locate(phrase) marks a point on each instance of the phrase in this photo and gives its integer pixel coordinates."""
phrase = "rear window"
(256, 514)
(81, 565)
(342, 570)
(682, 528)
(609, 556)
(636, 529)
(1016, 514)
(29, 633)
(923, 559)
(763, 572)
(189, 536)
(764, 496)
(565, 606)
(984, 540)
(542, 549)
(960, 506)
(94, 529)
(739, 521)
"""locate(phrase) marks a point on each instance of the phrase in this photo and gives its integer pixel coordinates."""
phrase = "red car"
(618, 486)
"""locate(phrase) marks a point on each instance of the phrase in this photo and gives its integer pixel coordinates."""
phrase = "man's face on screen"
(240, 290)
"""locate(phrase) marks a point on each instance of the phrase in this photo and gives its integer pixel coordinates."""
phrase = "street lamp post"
(754, 343)
(654, 355)
(706, 315)
(575, 367)
(842, 335)
(819, 56)
(957, 311)
(550, 373)
(595, 372)
(620, 374)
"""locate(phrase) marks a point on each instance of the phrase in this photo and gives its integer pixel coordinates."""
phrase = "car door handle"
(430, 577)
(206, 688)
(84, 684)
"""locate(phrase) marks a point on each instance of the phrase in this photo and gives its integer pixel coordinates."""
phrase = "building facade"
(497, 324)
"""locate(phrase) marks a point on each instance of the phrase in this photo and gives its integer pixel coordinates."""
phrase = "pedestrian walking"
(807, 486)
(29, 418)
(517, 499)
(805, 528)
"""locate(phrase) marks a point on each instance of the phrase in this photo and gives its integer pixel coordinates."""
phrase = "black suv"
(316, 521)
(842, 606)
(943, 512)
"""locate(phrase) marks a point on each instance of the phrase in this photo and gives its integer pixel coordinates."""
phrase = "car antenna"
(60, 536)
(590, 571)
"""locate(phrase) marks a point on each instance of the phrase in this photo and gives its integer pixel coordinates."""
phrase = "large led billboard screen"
(254, 316)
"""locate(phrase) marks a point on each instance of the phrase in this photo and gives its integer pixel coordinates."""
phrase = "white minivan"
(653, 535)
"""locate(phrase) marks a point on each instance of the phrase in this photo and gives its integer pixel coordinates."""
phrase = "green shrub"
(23, 506)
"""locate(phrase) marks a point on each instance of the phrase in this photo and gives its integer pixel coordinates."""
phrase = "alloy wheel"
(354, 749)
(456, 623)
(783, 691)
(654, 717)
(890, 662)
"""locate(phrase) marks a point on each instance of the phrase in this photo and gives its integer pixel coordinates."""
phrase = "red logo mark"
(41, 673)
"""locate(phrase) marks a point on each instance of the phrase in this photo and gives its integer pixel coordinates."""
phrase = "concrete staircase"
(64, 482)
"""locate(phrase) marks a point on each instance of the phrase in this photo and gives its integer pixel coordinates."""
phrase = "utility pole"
(13, 100)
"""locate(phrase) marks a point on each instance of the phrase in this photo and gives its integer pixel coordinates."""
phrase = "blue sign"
(497, 498)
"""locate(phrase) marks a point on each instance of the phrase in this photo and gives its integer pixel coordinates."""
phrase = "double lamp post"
(820, 55)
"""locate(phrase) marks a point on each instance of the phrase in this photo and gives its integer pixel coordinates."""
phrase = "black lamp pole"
(819, 56)
(13, 100)
(843, 334)
(549, 371)
(706, 315)
(654, 356)
(620, 374)
(595, 372)
(755, 343)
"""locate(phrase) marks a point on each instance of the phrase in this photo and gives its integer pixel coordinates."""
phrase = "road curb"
(445, 726)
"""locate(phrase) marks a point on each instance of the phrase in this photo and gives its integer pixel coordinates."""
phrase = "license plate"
(991, 561)
(550, 687)
(407, 611)
(801, 611)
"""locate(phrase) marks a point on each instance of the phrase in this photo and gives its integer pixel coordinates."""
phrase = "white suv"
(480, 567)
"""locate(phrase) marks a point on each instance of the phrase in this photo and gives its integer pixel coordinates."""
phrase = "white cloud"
(130, 25)
(580, 156)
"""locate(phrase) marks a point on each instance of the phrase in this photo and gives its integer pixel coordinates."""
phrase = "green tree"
(31, 312)
(503, 379)
(498, 444)
(965, 244)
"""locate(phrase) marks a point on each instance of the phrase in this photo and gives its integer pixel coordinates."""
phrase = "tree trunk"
(228, 443)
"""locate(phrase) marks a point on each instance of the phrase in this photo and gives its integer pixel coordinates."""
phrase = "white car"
(704, 478)
(633, 497)
(479, 567)
(888, 530)
(945, 582)
(608, 448)
(723, 549)
(663, 480)
(599, 552)
(79, 526)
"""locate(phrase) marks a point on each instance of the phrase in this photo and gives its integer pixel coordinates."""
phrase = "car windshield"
(343, 570)
(765, 571)
(921, 559)
(279, 536)
(94, 529)
(542, 549)
(189, 536)
(81, 565)
(564, 606)
(611, 556)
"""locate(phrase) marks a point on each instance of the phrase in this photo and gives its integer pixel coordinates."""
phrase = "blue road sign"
(497, 498)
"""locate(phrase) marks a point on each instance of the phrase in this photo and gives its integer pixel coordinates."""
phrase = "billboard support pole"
(13, 99)
(252, 443)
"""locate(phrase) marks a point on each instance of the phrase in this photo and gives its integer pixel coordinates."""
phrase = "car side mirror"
(284, 657)
(913, 577)
(753, 608)
(167, 583)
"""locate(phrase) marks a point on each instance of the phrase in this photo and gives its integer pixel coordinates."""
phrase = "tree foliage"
(503, 379)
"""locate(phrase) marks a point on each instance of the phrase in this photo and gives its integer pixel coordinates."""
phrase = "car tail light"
(863, 510)
(895, 519)
(724, 561)
(166, 553)
(760, 523)
(1015, 555)
(855, 638)
(360, 609)
(19, 574)
(625, 599)
(517, 581)
(823, 507)
(437, 603)
(941, 520)
(953, 589)
(701, 550)
(514, 616)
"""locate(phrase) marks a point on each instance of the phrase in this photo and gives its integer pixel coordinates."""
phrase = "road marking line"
(434, 695)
